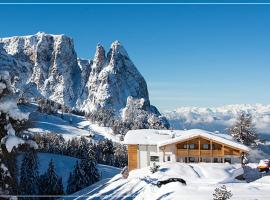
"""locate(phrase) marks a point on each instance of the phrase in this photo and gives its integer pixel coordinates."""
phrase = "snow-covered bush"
(222, 193)
(154, 168)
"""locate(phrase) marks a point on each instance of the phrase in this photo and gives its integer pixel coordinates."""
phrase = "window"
(185, 146)
(206, 146)
(168, 158)
(154, 158)
(191, 159)
(215, 160)
(228, 160)
(192, 146)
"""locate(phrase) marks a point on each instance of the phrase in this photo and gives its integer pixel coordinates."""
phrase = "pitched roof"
(164, 137)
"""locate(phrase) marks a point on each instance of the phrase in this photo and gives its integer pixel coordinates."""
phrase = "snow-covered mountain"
(219, 118)
(47, 65)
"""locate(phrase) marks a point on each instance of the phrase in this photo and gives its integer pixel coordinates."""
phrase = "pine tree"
(89, 166)
(5, 179)
(77, 179)
(83, 147)
(71, 184)
(12, 122)
(108, 152)
(29, 174)
(243, 130)
(222, 193)
(120, 156)
(53, 184)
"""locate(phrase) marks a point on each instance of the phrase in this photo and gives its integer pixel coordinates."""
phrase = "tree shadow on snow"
(164, 195)
(164, 169)
(148, 180)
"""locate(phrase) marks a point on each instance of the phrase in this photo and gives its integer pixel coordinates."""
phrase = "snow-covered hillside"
(201, 179)
(69, 126)
(219, 118)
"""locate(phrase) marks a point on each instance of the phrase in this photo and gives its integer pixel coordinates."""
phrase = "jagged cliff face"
(48, 65)
(113, 79)
(49, 61)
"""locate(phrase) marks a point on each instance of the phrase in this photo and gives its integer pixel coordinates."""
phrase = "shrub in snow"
(125, 172)
(222, 193)
(154, 168)
(244, 130)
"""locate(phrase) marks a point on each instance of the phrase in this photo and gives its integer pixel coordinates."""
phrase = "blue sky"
(190, 55)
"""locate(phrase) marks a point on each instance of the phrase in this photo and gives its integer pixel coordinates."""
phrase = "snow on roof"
(164, 137)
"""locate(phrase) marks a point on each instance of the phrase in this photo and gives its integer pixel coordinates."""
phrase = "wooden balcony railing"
(197, 153)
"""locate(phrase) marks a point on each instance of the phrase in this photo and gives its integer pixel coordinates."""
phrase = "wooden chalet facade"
(188, 147)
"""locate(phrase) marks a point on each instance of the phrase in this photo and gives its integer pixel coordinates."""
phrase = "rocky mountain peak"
(116, 53)
(100, 56)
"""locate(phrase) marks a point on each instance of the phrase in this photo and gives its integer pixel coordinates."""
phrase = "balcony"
(199, 153)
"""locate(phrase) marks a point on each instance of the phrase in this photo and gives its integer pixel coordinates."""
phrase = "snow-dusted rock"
(113, 79)
(51, 63)
(47, 65)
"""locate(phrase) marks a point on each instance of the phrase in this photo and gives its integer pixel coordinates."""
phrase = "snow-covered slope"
(53, 123)
(219, 118)
(47, 65)
(202, 179)
(65, 164)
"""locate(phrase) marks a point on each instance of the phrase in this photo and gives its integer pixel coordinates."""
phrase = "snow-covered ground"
(65, 164)
(202, 179)
(78, 126)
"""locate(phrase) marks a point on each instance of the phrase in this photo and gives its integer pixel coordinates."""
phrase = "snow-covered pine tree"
(12, 122)
(244, 130)
(71, 184)
(77, 179)
(5, 179)
(83, 147)
(222, 193)
(89, 165)
(108, 152)
(120, 156)
(29, 174)
(60, 186)
(53, 184)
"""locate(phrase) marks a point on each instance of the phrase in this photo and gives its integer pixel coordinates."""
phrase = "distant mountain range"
(219, 118)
